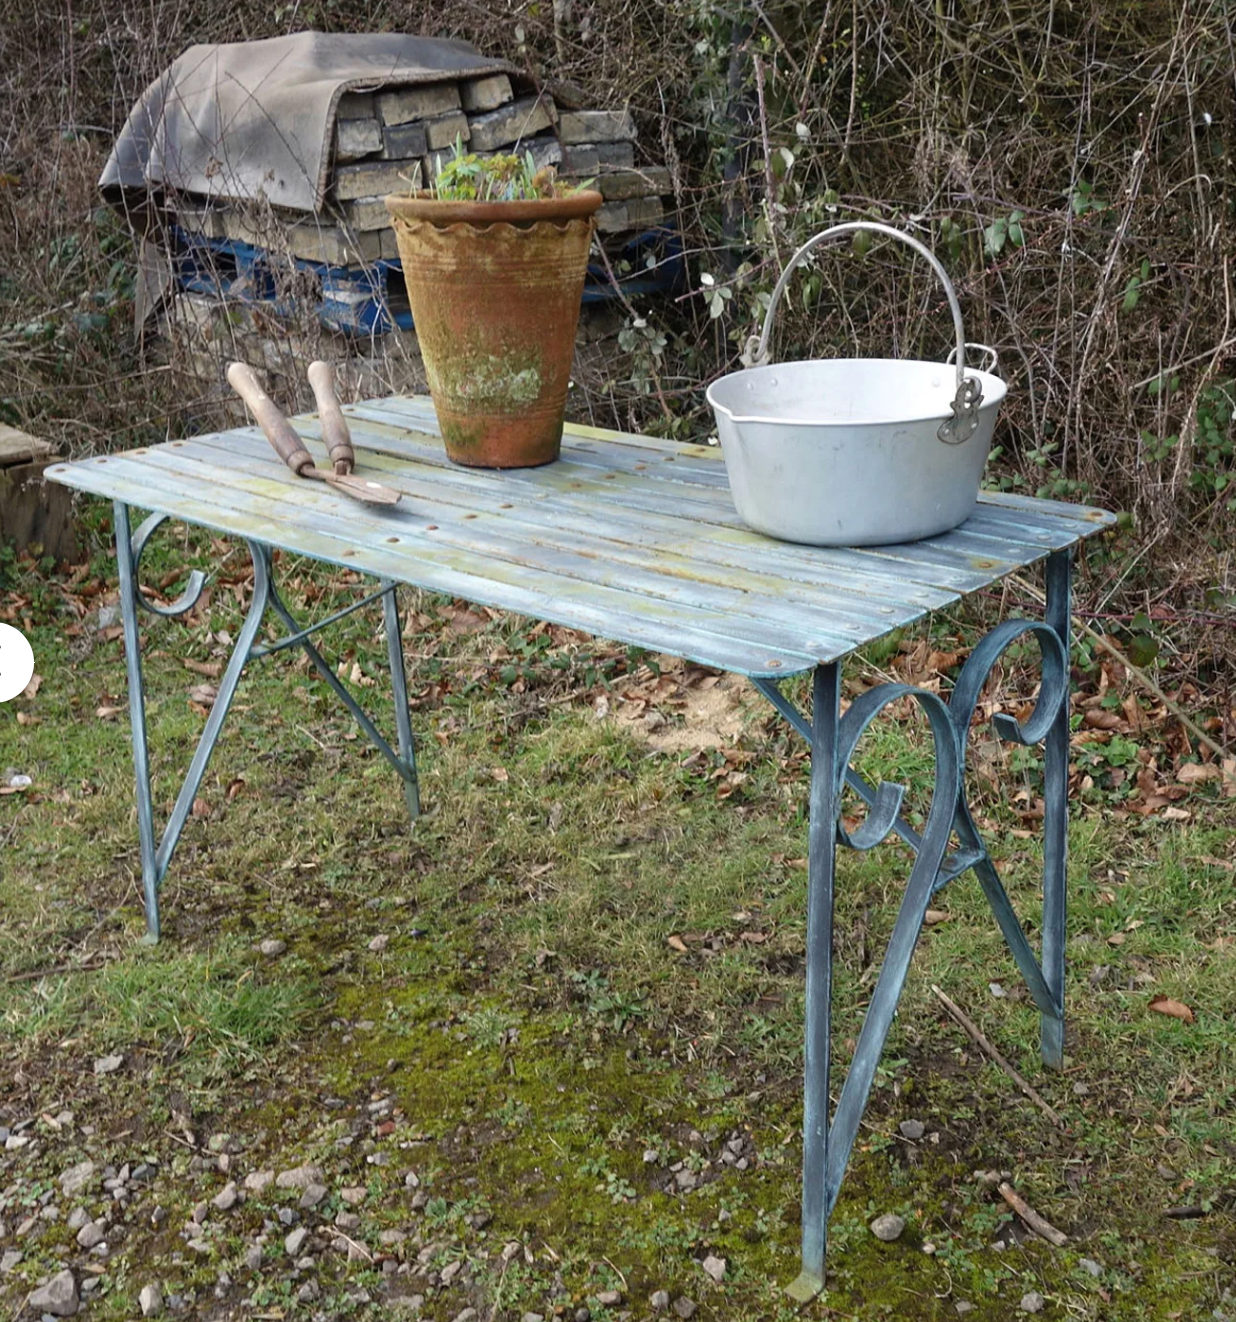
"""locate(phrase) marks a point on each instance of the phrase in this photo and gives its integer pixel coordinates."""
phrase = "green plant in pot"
(494, 257)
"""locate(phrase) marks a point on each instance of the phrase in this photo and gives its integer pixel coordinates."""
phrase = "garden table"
(636, 539)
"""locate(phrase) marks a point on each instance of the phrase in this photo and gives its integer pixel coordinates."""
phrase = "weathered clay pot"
(495, 289)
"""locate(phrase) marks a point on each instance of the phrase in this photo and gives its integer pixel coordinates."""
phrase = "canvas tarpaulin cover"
(254, 120)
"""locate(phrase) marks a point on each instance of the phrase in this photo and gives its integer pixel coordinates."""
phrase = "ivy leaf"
(994, 237)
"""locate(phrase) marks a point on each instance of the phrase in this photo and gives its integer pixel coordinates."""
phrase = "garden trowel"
(291, 449)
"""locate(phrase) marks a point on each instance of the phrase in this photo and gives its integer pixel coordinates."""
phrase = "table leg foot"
(805, 1287)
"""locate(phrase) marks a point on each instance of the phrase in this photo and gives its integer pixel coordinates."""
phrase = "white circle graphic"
(16, 662)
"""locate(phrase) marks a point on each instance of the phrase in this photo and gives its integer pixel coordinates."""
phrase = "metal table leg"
(156, 857)
(827, 1144)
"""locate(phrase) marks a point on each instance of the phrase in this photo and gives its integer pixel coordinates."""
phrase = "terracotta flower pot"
(495, 289)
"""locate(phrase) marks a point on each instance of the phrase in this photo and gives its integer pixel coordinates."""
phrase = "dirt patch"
(681, 708)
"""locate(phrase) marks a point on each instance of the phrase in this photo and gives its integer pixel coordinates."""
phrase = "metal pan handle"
(961, 426)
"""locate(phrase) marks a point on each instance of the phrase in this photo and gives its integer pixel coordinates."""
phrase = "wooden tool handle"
(277, 428)
(334, 425)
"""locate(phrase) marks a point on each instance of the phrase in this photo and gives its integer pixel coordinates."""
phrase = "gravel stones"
(295, 1241)
(58, 1297)
(76, 1178)
(272, 947)
(888, 1227)
(660, 1301)
(300, 1177)
(1032, 1302)
(91, 1234)
(253, 1257)
(313, 1195)
(684, 1307)
(9, 1260)
(108, 1064)
(354, 1196)
(151, 1301)
(609, 1298)
(226, 1198)
(259, 1181)
(379, 944)
(1091, 1267)
(912, 1129)
(714, 1268)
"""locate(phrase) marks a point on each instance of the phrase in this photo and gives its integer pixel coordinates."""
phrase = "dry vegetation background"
(1069, 159)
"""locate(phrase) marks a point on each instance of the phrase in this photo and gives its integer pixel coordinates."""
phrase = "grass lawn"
(545, 1047)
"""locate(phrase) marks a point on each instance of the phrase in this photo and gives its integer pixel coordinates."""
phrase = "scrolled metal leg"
(399, 688)
(821, 868)
(1056, 819)
(129, 549)
(129, 597)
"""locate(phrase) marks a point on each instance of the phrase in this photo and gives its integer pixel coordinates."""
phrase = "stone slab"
(355, 105)
(404, 142)
(481, 94)
(372, 179)
(422, 102)
(511, 123)
(442, 133)
(618, 185)
(357, 138)
(580, 126)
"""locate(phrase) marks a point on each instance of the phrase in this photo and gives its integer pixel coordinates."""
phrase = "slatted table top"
(626, 537)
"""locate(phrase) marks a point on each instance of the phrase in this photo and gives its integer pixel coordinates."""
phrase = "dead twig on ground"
(1044, 1229)
(989, 1049)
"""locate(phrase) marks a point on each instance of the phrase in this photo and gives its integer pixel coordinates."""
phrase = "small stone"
(467, 1315)
(411, 1180)
(348, 1221)
(295, 1241)
(226, 1198)
(888, 1227)
(253, 1257)
(76, 1178)
(684, 1307)
(259, 1181)
(300, 1177)
(58, 1297)
(609, 1298)
(532, 1317)
(9, 1260)
(583, 1314)
(962, 1307)
(201, 1246)
(379, 944)
(91, 1234)
(200, 1213)
(78, 1218)
(272, 947)
(313, 1195)
(660, 1300)
(151, 1300)
(16, 1141)
(651, 1156)
(392, 1238)
(1032, 1302)
(107, 1065)
(912, 1129)
(354, 1196)
(714, 1268)
(1089, 1265)
(308, 1292)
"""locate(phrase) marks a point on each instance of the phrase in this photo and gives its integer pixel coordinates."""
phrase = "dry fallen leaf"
(1177, 1009)
(201, 808)
(500, 774)
(33, 687)
(934, 916)
(1116, 939)
(678, 944)
(211, 669)
(1192, 772)
(106, 713)
(203, 694)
